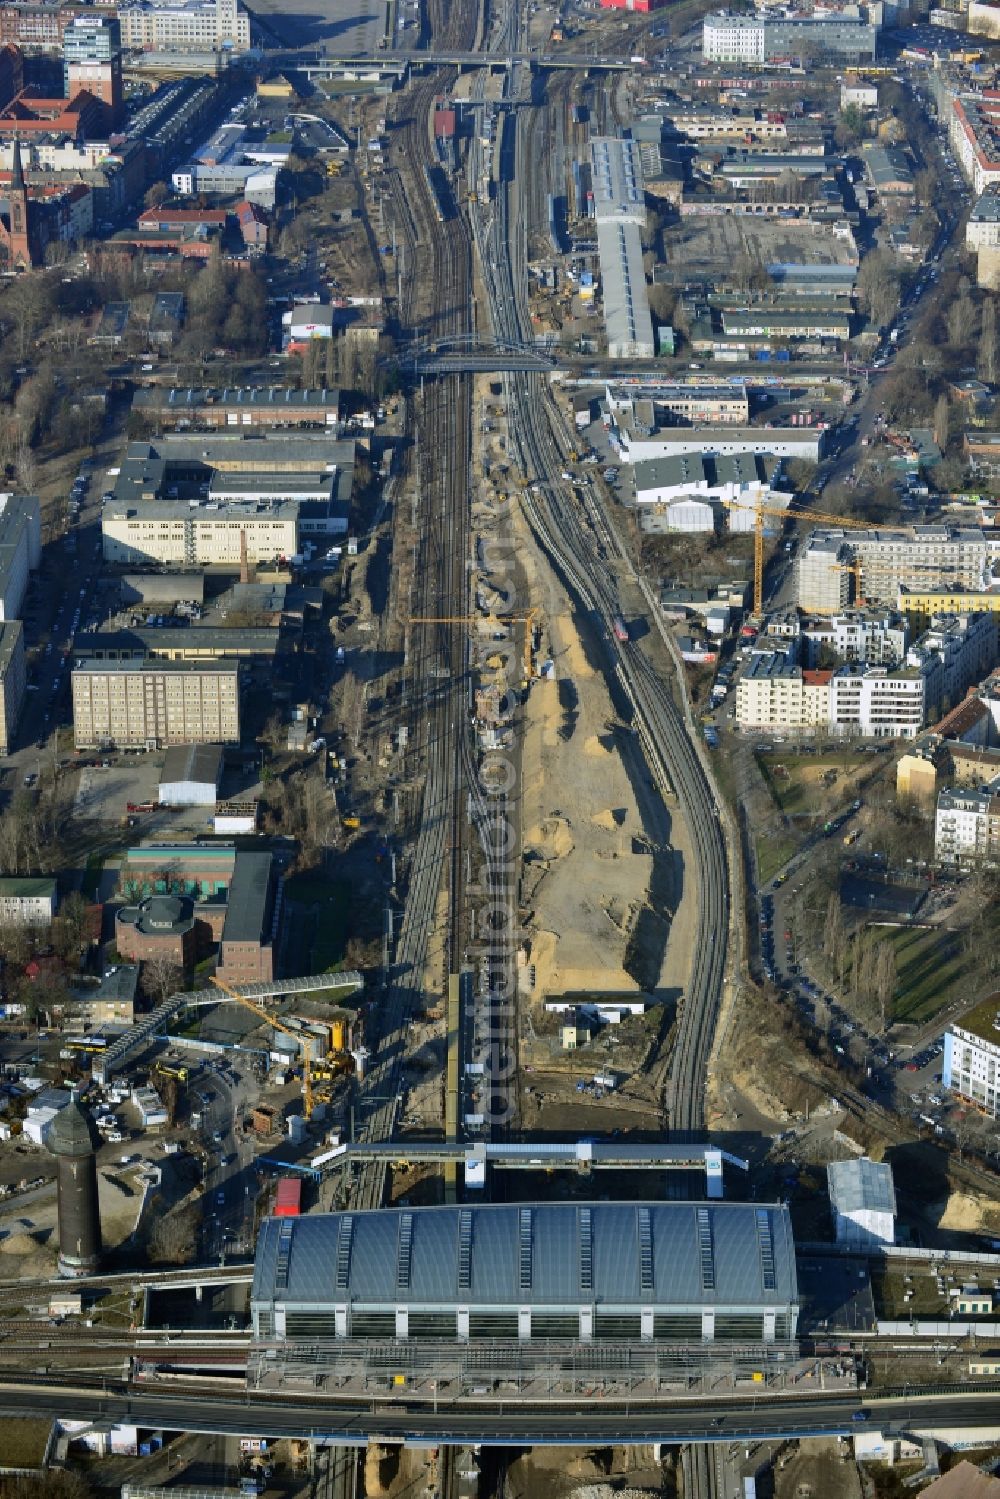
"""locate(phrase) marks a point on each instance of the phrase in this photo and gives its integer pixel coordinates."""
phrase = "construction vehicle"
(494, 620)
(180, 1073)
(278, 1025)
(812, 517)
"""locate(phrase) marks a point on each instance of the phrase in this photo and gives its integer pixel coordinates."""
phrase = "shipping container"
(288, 1197)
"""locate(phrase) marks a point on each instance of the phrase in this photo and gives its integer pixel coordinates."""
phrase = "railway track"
(438, 294)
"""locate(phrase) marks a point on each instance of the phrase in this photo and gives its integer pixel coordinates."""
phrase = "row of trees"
(861, 965)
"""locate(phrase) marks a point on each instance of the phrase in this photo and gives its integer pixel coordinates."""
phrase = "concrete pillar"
(646, 1324)
(707, 1325)
(586, 1324)
(402, 1322)
(524, 1323)
(713, 1174)
(770, 1319)
(462, 1323)
(340, 1322)
(199, 1292)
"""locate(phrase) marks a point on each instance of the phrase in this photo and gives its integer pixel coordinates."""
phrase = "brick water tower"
(73, 1142)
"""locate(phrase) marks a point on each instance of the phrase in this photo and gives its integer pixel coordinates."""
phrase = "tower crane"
(784, 513)
(286, 1030)
(527, 619)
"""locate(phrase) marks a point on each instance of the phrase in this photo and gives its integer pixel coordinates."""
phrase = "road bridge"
(318, 65)
(472, 353)
(213, 1411)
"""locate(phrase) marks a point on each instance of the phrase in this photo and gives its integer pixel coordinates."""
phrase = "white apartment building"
(726, 38)
(982, 230)
(967, 827)
(28, 901)
(20, 549)
(153, 704)
(878, 638)
(971, 1065)
(13, 680)
(185, 26)
(975, 140)
(634, 444)
(199, 535)
(877, 702)
(918, 558)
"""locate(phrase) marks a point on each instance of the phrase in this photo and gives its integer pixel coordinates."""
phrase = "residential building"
(981, 450)
(975, 138)
(111, 1001)
(28, 900)
(982, 228)
(921, 605)
(13, 681)
(971, 1063)
(983, 18)
(150, 705)
(878, 637)
(863, 1200)
(874, 702)
(967, 827)
(774, 690)
(20, 549)
(185, 25)
(918, 558)
(761, 39)
(920, 770)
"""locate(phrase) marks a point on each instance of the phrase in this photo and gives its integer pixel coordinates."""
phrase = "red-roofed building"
(182, 220)
(82, 117)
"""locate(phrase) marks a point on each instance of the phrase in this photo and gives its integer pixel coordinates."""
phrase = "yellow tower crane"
(527, 619)
(286, 1030)
(840, 522)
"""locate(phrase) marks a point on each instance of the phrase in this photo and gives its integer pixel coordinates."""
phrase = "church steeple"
(17, 170)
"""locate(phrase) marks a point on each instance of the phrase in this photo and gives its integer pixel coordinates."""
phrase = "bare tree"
(161, 977)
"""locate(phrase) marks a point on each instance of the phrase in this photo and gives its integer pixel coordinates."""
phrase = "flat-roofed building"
(151, 705)
(239, 406)
(201, 534)
(863, 1200)
(967, 827)
(184, 25)
(28, 900)
(13, 680)
(970, 1066)
(20, 549)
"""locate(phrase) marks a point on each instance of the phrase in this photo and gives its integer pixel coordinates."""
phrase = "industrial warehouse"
(446, 1291)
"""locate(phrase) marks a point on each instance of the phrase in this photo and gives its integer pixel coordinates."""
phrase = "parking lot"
(104, 795)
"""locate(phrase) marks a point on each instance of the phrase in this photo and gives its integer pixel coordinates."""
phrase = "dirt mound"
(550, 839)
(19, 1243)
(611, 819)
(598, 745)
(966, 1212)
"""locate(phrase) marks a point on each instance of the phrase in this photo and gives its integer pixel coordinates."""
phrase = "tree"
(155, 195)
(878, 287)
(961, 321)
(834, 936)
(885, 983)
(72, 926)
(942, 417)
(988, 363)
(161, 977)
(173, 1239)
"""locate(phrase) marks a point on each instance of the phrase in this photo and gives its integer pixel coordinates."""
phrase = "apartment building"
(153, 704)
(20, 549)
(920, 605)
(982, 229)
(175, 534)
(28, 901)
(760, 38)
(877, 702)
(971, 1063)
(876, 637)
(965, 646)
(974, 132)
(774, 690)
(13, 681)
(185, 25)
(919, 558)
(967, 826)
